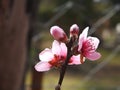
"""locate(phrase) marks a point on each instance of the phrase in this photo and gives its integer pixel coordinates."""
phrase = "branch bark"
(13, 34)
(64, 66)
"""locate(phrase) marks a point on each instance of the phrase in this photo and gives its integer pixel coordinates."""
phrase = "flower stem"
(64, 66)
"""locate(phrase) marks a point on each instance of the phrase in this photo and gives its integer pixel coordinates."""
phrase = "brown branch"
(64, 66)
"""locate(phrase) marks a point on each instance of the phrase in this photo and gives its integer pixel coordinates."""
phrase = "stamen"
(89, 45)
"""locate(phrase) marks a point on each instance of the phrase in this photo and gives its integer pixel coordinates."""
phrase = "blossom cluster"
(84, 47)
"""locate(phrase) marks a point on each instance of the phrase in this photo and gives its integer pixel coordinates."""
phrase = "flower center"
(57, 61)
(88, 46)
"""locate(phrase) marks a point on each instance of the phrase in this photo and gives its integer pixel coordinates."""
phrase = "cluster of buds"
(83, 46)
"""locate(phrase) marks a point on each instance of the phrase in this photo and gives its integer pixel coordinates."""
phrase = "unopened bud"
(74, 30)
(58, 34)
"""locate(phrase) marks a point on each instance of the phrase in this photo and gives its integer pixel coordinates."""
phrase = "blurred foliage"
(83, 12)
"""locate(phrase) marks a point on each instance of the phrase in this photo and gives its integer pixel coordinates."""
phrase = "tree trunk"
(13, 46)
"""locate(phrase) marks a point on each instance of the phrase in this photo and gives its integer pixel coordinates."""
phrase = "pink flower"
(55, 57)
(87, 46)
(58, 34)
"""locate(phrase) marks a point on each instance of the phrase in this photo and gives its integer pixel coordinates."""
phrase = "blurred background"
(103, 18)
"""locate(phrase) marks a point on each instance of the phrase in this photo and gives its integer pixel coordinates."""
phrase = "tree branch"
(64, 66)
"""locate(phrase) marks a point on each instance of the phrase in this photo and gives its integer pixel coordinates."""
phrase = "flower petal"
(75, 60)
(95, 41)
(82, 37)
(63, 50)
(93, 56)
(42, 66)
(80, 43)
(84, 33)
(46, 55)
(56, 49)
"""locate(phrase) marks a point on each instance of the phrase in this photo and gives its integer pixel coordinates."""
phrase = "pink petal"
(82, 37)
(56, 49)
(95, 41)
(42, 66)
(59, 48)
(63, 49)
(75, 60)
(84, 33)
(46, 55)
(80, 43)
(93, 56)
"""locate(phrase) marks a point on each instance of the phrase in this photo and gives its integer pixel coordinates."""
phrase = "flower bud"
(74, 30)
(58, 34)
